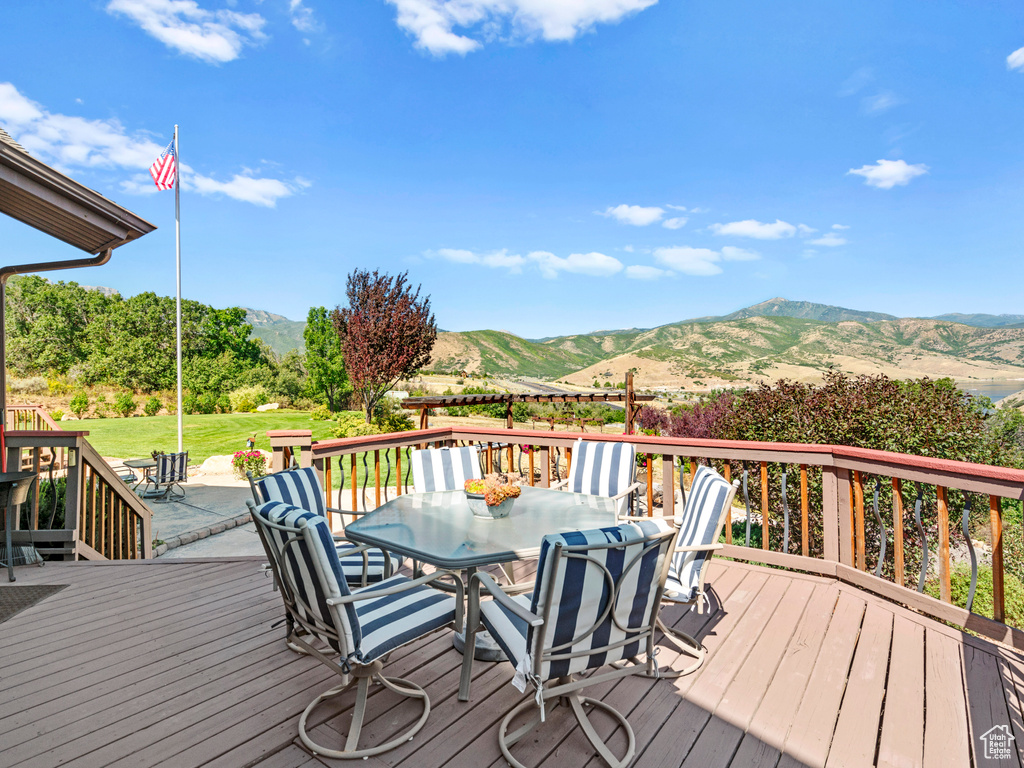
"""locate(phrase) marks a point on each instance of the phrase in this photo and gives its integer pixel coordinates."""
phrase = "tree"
(325, 360)
(386, 332)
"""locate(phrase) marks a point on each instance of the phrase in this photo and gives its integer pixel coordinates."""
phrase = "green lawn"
(204, 435)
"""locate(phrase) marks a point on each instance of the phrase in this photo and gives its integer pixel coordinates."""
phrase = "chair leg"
(364, 676)
(688, 645)
(576, 703)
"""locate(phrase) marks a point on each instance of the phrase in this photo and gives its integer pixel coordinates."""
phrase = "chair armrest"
(560, 484)
(494, 590)
(397, 590)
(699, 547)
(633, 487)
(357, 513)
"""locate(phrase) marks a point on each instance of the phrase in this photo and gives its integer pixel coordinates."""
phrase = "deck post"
(73, 499)
(834, 513)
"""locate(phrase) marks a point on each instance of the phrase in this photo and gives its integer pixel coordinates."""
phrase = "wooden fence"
(878, 520)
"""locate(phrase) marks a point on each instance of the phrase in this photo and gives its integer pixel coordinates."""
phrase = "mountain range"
(772, 339)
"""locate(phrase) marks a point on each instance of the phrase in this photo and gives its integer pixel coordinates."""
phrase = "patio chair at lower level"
(595, 602)
(700, 525)
(170, 472)
(358, 627)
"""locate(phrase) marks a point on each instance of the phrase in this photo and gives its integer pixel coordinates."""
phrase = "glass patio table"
(439, 529)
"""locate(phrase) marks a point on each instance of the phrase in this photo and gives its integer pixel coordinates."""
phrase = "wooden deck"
(177, 664)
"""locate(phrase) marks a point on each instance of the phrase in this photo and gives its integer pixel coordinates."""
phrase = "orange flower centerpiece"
(491, 497)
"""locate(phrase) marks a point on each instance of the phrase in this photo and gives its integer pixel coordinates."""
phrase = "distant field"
(204, 435)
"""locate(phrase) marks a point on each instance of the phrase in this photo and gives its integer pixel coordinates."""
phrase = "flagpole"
(177, 243)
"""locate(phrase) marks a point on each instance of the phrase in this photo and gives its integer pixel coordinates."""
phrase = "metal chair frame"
(564, 690)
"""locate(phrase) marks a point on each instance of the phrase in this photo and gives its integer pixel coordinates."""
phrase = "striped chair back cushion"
(311, 571)
(581, 598)
(602, 469)
(700, 523)
(298, 487)
(444, 469)
(171, 467)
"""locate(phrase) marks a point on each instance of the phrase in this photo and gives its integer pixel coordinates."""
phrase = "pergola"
(36, 194)
(508, 399)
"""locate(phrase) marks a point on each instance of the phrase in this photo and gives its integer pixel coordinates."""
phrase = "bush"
(35, 385)
(389, 417)
(249, 461)
(190, 403)
(80, 404)
(101, 406)
(124, 404)
(246, 399)
(960, 583)
(353, 424)
(152, 406)
(320, 413)
(57, 415)
(58, 385)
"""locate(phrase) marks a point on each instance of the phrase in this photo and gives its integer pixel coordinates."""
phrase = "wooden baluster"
(995, 512)
(860, 551)
(728, 517)
(650, 485)
(34, 516)
(355, 486)
(804, 508)
(376, 477)
(109, 515)
(532, 481)
(693, 469)
(490, 460)
(568, 461)
(945, 590)
(328, 483)
(897, 530)
(545, 460)
(853, 522)
(764, 505)
(668, 486)
(511, 456)
(398, 469)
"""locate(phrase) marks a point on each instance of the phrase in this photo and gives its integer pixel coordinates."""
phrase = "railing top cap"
(289, 433)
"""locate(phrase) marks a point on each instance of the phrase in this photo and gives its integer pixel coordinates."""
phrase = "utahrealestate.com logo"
(998, 743)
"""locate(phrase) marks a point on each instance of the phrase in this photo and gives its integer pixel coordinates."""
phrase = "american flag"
(165, 170)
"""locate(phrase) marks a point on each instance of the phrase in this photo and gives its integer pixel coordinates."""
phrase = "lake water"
(996, 389)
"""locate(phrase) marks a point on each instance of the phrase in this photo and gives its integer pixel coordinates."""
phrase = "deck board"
(151, 664)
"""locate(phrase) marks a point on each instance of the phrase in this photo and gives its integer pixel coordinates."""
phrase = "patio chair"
(603, 469)
(444, 469)
(301, 488)
(170, 472)
(595, 603)
(358, 627)
(700, 526)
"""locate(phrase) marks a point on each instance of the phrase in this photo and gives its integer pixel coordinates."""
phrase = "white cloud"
(681, 208)
(1016, 60)
(637, 215)
(804, 230)
(628, 248)
(880, 102)
(302, 17)
(67, 142)
(594, 264)
(495, 259)
(732, 253)
(433, 22)
(830, 240)
(889, 173)
(643, 272)
(699, 210)
(840, 226)
(677, 222)
(210, 36)
(755, 229)
(690, 261)
(856, 81)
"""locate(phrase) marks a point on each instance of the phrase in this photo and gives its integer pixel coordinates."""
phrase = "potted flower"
(492, 496)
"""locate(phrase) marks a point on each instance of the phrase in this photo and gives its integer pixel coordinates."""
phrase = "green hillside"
(280, 334)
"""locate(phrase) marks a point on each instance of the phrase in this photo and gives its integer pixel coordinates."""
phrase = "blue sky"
(541, 166)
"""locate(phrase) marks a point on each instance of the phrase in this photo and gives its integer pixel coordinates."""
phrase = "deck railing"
(882, 521)
(29, 417)
(90, 512)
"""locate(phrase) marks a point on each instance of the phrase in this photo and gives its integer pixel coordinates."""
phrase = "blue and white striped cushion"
(698, 524)
(391, 621)
(313, 570)
(444, 469)
(603, 469)
(580, 594)
(298, 487)
(352, 564)
(506, 628)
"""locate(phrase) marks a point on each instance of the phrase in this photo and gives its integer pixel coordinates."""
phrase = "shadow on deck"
(177, 664)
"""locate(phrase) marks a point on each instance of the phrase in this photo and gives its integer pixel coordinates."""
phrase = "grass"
(215, 434)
